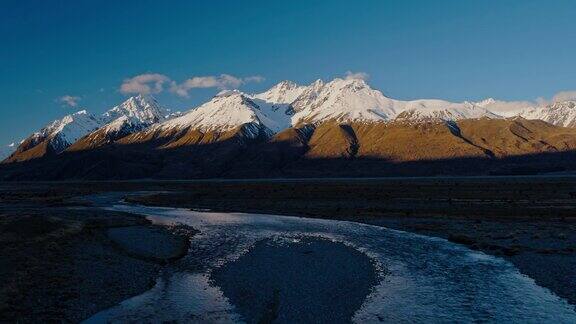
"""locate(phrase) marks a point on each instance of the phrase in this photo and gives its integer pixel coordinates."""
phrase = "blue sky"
(450, 49)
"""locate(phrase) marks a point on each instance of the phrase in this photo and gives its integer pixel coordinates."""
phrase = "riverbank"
(63, 265)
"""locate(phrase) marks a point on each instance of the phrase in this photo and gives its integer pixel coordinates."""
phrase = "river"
(418, 278)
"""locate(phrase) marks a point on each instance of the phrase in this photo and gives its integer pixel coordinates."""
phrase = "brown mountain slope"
(101, 137)
(433, 148)
(332, 140)
(175, 138)
(193, 153)
(32, 149)
(505, 137)
(412, 142)
(92, 141)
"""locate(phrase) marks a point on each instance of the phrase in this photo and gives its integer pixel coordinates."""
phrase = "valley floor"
(530, 221)
(61, 264)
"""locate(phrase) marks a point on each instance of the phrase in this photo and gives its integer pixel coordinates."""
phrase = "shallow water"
(423, 279)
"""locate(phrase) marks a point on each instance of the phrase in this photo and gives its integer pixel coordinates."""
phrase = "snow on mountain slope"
(352, 100)
(561, 113)
(558, 113)
(284, 92)
(131, 116)
(123, 124)
(342, 100)
(118, 128)
(276, 102)
(144, 109)
(227, 110)
(506, 109)
(65, 131)
(55, 137)
(433, 109)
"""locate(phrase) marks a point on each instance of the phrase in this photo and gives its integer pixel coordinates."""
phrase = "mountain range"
(337, 128)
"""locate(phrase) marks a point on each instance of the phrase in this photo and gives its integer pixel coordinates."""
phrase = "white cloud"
(229, 81)
(151, 83)
(70, 101)
(349, 75)
(564, 96)
(223, 81)
(144, 84)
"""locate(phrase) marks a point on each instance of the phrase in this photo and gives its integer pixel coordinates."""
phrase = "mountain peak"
(229, 93)
(227, 110)
(56, 136)
(341, 100)
(285, 84)
(485, 102)
(318, 82)
(143, 108)
(349, 81)
(285, 92)
(348, 84)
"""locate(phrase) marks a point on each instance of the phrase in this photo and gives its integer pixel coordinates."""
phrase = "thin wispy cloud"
(70, 101)
(349, 75)
(153, 83)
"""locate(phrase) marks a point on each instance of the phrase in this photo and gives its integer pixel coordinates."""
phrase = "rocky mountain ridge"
(344, 119)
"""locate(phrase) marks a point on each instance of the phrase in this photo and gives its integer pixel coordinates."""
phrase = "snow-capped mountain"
(506, 109)
(56, 136)
(341, 100)
(131, 116)
(63, 132)
(285, 92)
(227, 110)
(144, 109)
(116, 129)
(134, 114)
(290, 127)
(558, 113)
(284, 105)
(288, 104)
(352, 100)
(562, 113)
(439, 110)
(68, 130)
